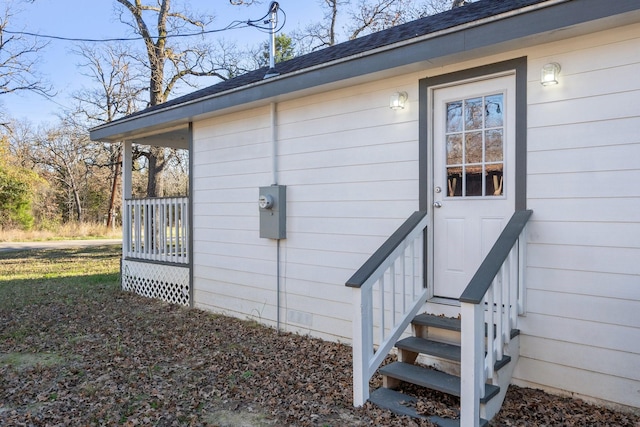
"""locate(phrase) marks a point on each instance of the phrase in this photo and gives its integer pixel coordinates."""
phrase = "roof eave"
(520, 27)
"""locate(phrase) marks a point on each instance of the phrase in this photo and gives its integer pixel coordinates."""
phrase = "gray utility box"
(272, 203)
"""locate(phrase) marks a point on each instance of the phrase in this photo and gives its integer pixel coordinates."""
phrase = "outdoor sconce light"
(549, 74)
(398, 100)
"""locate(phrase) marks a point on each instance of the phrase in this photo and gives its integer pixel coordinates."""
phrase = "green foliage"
(285, 50)
(17, 191)
(15, 196)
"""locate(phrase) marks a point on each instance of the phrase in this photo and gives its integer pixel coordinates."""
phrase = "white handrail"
(156, 229)
(487, 322)
(385, 303)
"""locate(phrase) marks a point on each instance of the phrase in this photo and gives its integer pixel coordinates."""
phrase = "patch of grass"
(26, 360)
(60, 275)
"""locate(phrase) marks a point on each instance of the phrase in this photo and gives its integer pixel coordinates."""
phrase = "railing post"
(362, 344)
(138, 224)
(126, 227)
(521, 247)
(372, 275)
(490, 316)
(185, 228)
(471, 363)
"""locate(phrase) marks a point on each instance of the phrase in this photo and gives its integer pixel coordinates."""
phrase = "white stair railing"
(490, 306)
(157, 229)
(388, 291)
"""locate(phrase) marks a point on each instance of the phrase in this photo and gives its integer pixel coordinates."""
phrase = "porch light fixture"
(398, 100)
(549, 74)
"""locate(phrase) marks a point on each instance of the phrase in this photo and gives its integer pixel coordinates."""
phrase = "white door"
(474, 177)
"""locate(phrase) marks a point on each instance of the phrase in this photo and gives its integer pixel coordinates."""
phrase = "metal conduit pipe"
(274, 181)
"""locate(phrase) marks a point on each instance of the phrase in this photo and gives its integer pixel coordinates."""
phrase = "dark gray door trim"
(519, 65)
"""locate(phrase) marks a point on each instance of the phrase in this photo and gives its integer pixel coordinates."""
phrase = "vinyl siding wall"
(351, 167)
(581, 332)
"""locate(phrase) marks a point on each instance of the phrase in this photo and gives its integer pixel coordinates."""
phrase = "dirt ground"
(105, 357)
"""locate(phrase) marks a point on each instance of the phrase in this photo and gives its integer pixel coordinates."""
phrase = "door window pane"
(473, 113)
(493, 140)
(494, 109)
(494, 182)
(454, 149)
(473, 181)
(475, 146)
(454, 116)
(454, 182)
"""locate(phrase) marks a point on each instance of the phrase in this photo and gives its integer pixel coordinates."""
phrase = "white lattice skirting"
(166, 282)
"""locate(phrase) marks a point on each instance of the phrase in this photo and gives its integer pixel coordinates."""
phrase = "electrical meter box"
(272, 203)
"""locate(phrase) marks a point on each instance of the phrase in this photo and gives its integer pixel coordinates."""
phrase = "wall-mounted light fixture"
(549, 74)
(398, 100)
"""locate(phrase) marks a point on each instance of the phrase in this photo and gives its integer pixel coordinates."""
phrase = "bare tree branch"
(18, 60)
(119, 84)
(166, 61)
(371, 17)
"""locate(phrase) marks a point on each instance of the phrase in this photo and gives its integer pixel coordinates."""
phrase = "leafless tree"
(432, 7)
(322, 33)
(18, 59)
(117, 93)
(361, 17)
(242, 2)
(167, 61)
(119, 88)
(61, 152)
(20, 134)
(373, 16)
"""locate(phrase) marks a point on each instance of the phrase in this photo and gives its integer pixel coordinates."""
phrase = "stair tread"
(396, 402)
(430, 347)
(448, 422)
(430, 378)
(441, 350)
(441, 322)
(403, 404)
(449, 323)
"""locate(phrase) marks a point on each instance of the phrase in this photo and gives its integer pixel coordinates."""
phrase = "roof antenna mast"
(273, 10)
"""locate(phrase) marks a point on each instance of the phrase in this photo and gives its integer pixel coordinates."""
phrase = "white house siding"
(351, 169)
(581, 333)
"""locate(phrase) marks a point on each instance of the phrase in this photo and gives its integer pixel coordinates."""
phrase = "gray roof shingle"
(430, 24)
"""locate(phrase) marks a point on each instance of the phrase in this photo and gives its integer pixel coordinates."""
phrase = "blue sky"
(96, 19)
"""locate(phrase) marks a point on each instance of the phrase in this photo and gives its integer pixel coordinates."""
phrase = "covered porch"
(156, 231)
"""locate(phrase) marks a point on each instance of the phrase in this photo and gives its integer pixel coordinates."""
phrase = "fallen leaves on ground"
(113, 358)
(528, 407)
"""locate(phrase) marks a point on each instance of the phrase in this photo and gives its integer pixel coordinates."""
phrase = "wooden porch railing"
(157, 229)
(388, 291)
(490, 303)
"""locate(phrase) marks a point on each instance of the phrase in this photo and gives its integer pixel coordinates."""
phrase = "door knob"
(437, 204)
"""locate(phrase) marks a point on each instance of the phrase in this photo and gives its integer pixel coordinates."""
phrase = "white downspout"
(274, 144)
(274, 181)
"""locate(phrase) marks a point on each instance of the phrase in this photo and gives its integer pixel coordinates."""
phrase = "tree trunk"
(78, 203)
(334, 18)
(73, 186)
(157, 163)
(114, 188)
